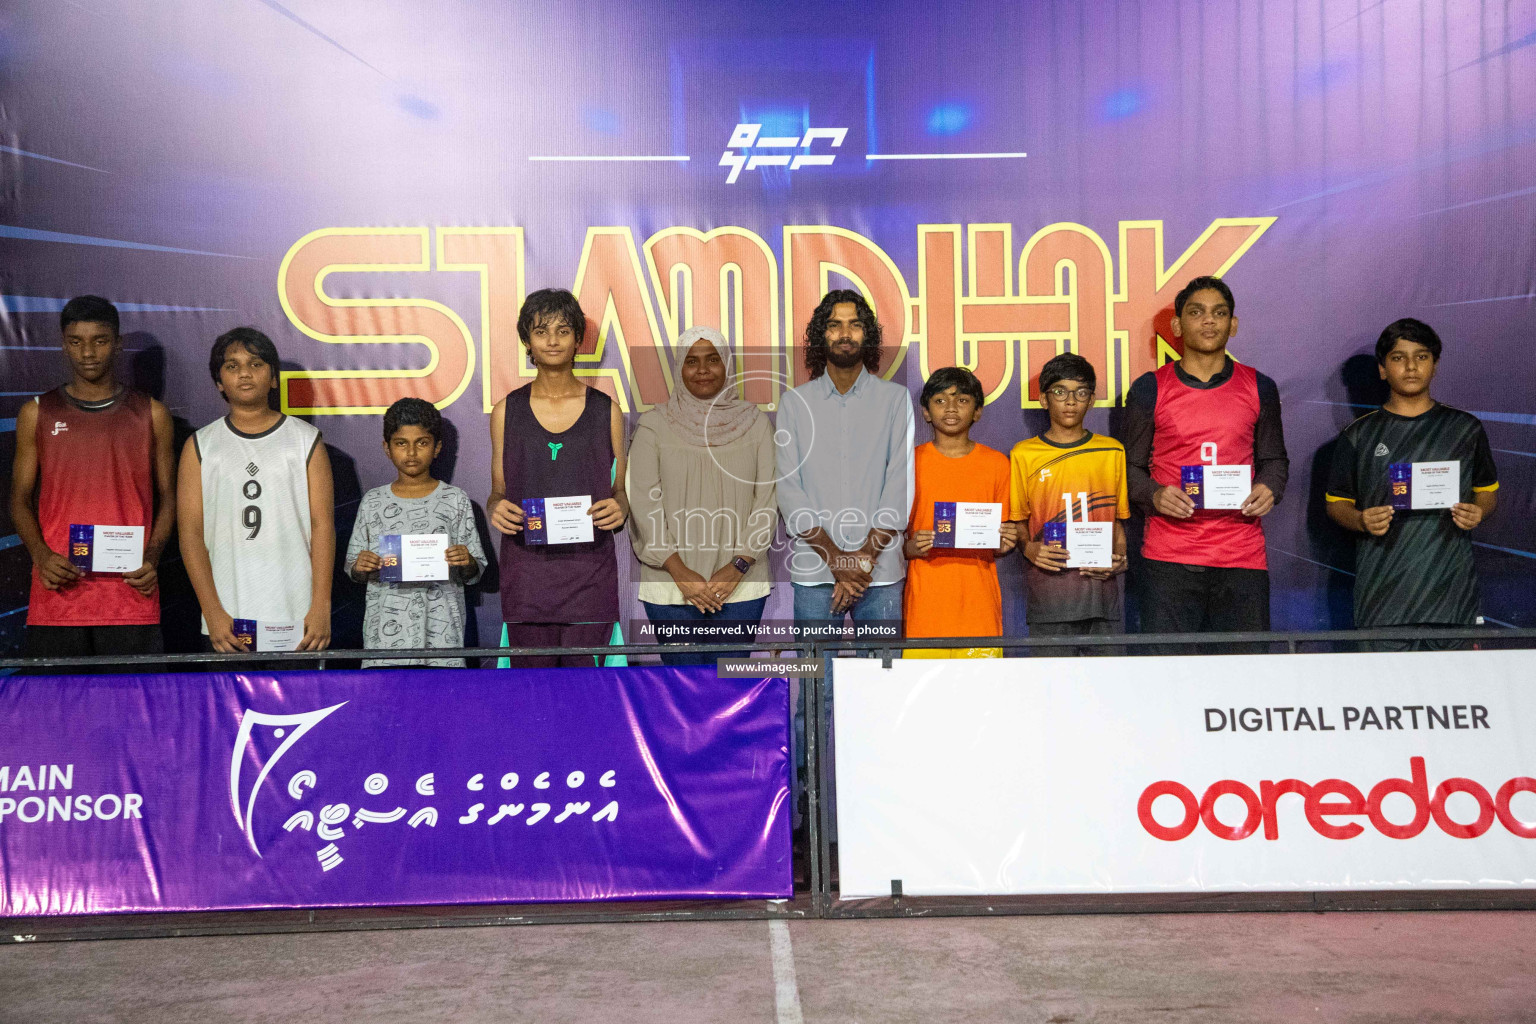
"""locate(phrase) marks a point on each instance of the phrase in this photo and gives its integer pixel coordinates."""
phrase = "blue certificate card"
(943, 524)
(389, 558)
(245, 633)
(535, 530)
(80, 537)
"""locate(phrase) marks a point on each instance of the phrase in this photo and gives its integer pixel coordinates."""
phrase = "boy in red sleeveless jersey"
(92, 454)
(1204, 570)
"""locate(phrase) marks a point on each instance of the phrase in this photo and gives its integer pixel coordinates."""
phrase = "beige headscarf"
(712, 422)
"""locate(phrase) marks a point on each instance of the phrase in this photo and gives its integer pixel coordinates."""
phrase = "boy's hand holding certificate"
(557, 520)
(1089, 545)
(1424, 485)
(413, 558)
(268, 636)
(967, 524)
(106, 549)
(1222, 488)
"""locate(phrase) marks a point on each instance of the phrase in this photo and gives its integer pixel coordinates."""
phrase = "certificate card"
(106, 549)
(967, 524)
(1425, 485)
(1090, 545)
(269, 636)
(413, 558)
(557, 520)
(1218, 487)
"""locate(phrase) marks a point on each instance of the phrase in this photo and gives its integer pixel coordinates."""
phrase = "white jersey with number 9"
(256, 517)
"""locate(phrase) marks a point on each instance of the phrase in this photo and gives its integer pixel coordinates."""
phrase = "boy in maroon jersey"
(1204, 570)
(92, 453)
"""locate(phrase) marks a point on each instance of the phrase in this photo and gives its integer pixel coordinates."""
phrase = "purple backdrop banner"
(225, 791)
(377, 184)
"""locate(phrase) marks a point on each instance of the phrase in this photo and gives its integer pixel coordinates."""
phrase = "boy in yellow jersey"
(1069, 464)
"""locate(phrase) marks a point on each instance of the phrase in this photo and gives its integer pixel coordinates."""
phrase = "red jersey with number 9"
(1215, 426)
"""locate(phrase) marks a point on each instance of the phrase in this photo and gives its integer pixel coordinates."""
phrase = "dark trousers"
(1199, 599)
(558, 634)
(1078, 627)
(739, 617)
(86, 641)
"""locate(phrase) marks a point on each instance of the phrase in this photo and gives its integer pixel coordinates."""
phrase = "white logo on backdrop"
(748, 136)
(332, 821)
(299, 725)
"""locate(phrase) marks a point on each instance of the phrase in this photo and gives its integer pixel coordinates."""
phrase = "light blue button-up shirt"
(845, 465)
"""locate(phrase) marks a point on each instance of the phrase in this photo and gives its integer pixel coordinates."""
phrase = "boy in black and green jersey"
(1414, 568)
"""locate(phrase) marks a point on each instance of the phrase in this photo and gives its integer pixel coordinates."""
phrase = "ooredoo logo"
(1335, 798)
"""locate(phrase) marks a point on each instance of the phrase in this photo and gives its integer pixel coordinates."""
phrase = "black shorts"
(89, 641)
(1416, 644)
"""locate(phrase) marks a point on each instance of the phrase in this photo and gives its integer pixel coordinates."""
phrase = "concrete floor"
(1230, 968)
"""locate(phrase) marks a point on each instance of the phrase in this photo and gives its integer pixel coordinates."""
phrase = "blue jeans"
(813, 604)
(813, 607)
(748, 613)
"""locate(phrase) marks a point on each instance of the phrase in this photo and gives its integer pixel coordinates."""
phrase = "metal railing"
(886, 648)
(821, 899)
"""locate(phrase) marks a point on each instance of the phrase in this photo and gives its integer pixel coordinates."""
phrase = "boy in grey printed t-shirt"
(405, 615)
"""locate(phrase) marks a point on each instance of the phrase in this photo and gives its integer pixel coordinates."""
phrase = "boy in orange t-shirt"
(954, 591)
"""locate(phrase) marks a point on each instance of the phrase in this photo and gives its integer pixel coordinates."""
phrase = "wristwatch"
(741, 564)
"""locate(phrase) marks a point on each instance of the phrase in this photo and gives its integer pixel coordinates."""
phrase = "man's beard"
(845, 362)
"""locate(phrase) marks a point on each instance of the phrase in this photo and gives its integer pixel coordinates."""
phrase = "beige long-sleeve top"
(708, 505)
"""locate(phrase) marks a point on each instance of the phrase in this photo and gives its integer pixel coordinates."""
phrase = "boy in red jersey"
(92, 453)
(1204, 570)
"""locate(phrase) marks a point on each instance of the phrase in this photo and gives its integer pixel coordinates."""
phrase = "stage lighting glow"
(949, 118)
(601, 120)
(1122, 103)
(417, 107)
(778, 120)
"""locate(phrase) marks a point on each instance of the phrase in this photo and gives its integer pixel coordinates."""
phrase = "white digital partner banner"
(1187, 774)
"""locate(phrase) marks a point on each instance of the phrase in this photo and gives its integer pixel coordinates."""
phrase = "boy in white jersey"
(255, 490)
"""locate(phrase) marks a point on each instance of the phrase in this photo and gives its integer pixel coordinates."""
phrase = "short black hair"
(957, 377)
(548, 304)
(1067, 366)
(1407, 329)
(413, 412)
(249, 338)
(1198, 284)
(92, 309)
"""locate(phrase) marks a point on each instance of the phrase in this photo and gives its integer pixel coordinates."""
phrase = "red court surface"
(1403, 966)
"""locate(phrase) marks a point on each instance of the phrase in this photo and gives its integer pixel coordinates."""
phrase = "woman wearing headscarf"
(701, 482)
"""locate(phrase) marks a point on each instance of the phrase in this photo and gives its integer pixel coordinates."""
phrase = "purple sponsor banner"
(305, 789)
